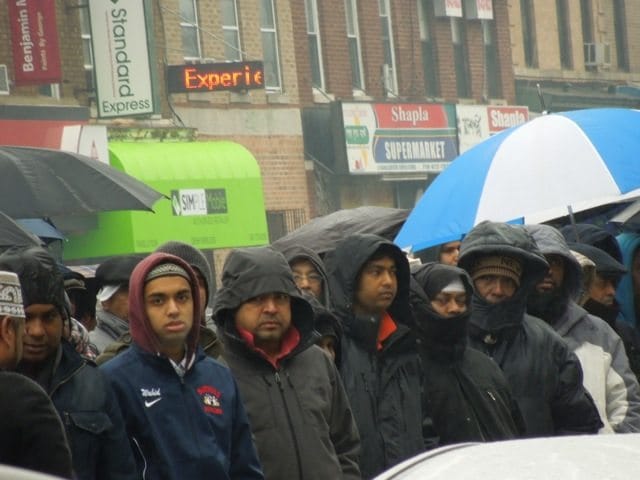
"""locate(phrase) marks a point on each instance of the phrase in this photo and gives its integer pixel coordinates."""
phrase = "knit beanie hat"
(39, 276)
(497, 265)
(166, 270)
(10, 296)
(194, 257)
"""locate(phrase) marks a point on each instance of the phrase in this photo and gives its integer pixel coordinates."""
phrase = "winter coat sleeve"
(244, 463)
(32, 434)
(623, 392)
(572, 408)
(343, 430)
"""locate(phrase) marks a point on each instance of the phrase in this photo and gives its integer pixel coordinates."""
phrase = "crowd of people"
(312, 367)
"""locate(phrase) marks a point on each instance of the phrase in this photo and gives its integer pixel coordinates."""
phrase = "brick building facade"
(437, 59)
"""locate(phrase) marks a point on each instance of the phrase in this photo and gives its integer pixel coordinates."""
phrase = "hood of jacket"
(299, 252)
(491, 238)
(592, 235)
(139, 324)
(550, 241)
(249, 272)
(444, 337)
(344, 265)
(629, 243)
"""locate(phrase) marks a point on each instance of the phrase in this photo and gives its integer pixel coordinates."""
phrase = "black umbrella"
(12, 234)
(39, 182)
(322, 233)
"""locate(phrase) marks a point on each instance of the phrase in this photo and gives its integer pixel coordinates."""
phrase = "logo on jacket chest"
(151, 396)
(210, 399)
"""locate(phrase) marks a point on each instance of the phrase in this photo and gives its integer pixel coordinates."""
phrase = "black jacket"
(31, 434)
(298, 410)
(468, 396)
(544, 374)
(92, 419)
(384, 386)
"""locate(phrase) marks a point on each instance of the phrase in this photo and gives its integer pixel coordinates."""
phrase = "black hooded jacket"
(299, 412)
(79, 391)
(468, 396)
(544, 374)
(383, 385)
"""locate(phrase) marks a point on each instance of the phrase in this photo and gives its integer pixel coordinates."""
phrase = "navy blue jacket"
(183, 428)
(92, 419)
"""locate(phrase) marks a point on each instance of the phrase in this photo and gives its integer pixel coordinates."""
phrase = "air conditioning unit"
(4, 80)
(597, 54)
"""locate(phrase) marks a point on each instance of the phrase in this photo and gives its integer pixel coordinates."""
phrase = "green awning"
(216, 200)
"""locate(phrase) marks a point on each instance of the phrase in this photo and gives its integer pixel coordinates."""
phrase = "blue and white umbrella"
(544, 169)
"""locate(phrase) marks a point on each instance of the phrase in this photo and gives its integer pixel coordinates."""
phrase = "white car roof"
(585, 457)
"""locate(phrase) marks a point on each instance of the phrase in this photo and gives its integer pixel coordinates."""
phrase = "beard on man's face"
(548, 305)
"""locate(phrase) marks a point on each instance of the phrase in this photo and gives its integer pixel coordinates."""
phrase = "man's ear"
(7, 331)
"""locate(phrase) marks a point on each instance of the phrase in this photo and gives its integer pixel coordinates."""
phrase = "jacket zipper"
(286, 409)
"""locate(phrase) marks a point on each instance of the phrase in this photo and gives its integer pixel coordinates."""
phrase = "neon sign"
(215, 77)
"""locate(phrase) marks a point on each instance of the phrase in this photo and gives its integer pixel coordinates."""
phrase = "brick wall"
(406, 37)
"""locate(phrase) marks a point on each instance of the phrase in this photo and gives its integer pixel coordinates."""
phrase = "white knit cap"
(10, 295)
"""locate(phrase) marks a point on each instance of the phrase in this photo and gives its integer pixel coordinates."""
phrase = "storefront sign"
(447, 8)
(198, 201)
(121, 58)
(208, 77)
(34, 37)
(399, 138)
(478, 9)
(476, 122)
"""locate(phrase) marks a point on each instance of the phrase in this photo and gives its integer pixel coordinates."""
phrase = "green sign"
(356, 135)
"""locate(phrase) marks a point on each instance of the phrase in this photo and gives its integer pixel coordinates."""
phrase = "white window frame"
(384, 10)
(184, 24)
(353, 35)
(272, 31)
(85, 35)
(235, 30)
(314, 39)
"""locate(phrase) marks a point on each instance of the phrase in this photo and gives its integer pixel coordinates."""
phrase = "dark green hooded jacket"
(299, 413)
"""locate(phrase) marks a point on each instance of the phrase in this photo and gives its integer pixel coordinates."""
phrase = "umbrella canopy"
(41, 228)
(39, 182)
(13, 234)
(322, 233)
(629, 217)
(535, 172)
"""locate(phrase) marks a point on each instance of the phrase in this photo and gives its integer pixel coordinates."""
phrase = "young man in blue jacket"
(182, 410)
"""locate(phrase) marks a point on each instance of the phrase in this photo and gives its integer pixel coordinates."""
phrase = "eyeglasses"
(311, 277)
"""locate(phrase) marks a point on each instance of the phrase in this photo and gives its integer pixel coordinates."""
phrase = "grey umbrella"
(12, 234)
(40, 182)
(323, 233)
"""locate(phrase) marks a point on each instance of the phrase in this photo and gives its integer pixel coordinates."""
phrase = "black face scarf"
(549, 306)
(444, 338)
(609, 313)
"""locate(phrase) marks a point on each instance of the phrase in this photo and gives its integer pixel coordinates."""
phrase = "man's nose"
(34, 328)
(454, 307)
(269, 305)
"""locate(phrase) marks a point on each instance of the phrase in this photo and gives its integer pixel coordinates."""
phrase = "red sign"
(410, 115)
(34, 37)
(215, 77)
